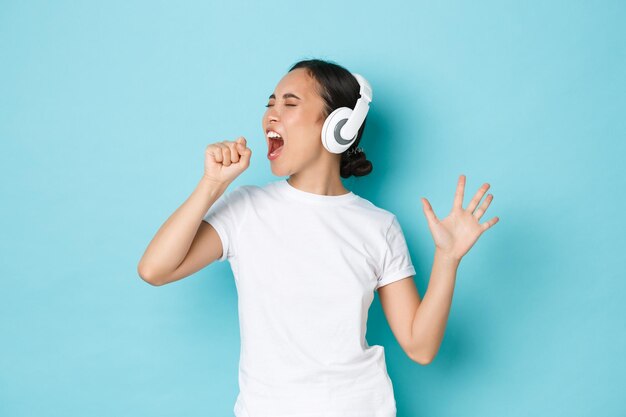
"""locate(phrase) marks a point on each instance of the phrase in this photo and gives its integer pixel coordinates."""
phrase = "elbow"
(421, 358)
(426, 361)
(147, 276)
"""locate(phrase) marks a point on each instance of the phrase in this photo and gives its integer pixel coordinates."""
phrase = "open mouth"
(275, 145)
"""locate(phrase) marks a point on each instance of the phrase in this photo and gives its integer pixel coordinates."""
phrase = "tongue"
(276, 144)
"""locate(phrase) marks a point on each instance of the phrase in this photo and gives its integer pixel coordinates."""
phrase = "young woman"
(307, 255)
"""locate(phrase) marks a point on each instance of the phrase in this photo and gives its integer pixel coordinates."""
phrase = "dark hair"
(339, 88)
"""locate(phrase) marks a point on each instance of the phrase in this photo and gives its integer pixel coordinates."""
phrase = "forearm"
(429, 322)
(172, 241)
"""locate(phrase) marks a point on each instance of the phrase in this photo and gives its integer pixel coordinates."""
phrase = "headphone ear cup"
(331, 138)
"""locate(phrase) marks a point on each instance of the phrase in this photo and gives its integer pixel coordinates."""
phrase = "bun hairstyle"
(339, 88)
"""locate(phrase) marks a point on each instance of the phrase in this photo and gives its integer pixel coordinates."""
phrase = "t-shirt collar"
(293, 192)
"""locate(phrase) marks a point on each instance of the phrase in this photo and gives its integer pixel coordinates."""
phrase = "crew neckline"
(301, 195)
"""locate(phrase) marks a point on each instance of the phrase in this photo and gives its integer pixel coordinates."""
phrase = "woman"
(307, 255)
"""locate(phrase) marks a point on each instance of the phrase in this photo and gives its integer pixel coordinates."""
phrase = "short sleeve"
(226, 215)
(396, 263)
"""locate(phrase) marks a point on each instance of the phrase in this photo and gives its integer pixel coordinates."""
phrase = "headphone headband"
(351, 128)
(366, 89)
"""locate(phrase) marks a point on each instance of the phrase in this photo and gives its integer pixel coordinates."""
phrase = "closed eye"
(290, 105)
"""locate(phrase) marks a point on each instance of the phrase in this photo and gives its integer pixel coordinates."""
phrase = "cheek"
(303, 131)
(311, 145)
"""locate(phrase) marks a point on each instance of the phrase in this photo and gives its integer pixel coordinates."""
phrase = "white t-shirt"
(306, 267)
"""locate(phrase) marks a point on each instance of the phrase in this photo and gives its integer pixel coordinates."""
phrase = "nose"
(269, 118)
(272, 115)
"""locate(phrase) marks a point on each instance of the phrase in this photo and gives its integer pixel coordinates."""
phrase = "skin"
(309, 166)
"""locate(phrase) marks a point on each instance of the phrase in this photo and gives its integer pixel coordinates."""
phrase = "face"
(294, 111)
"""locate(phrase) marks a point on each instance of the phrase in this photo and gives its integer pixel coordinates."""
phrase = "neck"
(323, 181)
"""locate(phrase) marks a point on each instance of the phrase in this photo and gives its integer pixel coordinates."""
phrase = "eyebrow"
(286, 95)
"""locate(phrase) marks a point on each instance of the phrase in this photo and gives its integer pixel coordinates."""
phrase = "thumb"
(428, 211)
(246, 153)
(241, 143)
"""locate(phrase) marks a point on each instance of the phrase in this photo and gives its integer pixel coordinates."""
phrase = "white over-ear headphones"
(342, 125)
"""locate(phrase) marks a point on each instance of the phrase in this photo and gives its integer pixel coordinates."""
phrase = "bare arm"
(419, 325)
(172, 242)
(184, 243)
(453, 237)
(430, 319)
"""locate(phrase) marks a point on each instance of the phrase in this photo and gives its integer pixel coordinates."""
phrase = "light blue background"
(106, 109)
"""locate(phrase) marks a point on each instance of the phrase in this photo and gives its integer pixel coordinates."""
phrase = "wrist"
(213, 182)
(212, 186)
(447, 258)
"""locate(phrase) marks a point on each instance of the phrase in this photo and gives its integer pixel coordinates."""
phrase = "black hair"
(339, 88)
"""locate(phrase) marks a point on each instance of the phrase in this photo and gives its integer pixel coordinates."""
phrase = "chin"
(279, 172)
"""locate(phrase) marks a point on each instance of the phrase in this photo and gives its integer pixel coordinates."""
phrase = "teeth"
(272, 134)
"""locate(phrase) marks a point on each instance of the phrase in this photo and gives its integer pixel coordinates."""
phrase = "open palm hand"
(457, 233)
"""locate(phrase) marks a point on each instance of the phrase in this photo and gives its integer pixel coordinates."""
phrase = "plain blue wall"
(106, 109)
